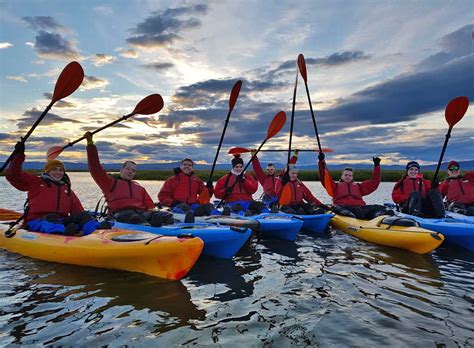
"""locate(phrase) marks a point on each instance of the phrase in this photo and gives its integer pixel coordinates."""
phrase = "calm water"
(330, 290)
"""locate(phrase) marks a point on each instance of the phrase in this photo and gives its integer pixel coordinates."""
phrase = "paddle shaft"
(23, 140)
(312, 115)
(220, 144)
(448, 135)
(292, 116)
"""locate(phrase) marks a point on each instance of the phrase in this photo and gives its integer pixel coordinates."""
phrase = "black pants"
(79, 219)
(301, 209)
(466, 209)
(135, 216)
(364, 212)
(430, 206)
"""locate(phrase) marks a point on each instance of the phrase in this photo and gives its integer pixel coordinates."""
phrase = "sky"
(380, 74)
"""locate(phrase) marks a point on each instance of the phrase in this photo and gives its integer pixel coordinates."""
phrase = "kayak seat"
(399, 221)
(135, 237)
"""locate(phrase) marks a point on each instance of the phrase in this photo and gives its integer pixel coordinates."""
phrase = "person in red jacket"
(52, 206)
(236, 189)
(416, 195)
(302, 200)
(347, 194)
(127, 200)
(180, 192)
(458, 190)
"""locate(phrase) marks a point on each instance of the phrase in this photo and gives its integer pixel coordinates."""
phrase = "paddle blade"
(68, 81)
(327, 183)
(285, 197)
(455, 110)
(302, 67)
(276, 125)
(327, 150)
(149, 105)
(53, 152)
(9, 215)
(238, 150)
(204, 197)
(234, 94)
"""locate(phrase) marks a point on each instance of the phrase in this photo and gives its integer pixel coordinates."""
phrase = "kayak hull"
(411, 238)
(278, 226)
(165, 257)
(457, 232)
(219, 241)
(317, 223)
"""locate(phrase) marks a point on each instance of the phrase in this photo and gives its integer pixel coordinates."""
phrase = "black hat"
(237, 160)
(412, 164)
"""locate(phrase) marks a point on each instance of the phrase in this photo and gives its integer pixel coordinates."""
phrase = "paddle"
(454, 112)
(147, 106)
(302, 68)
(205, 197)
(292, 117)
(275, 126)
(68, 81)
(240, 150)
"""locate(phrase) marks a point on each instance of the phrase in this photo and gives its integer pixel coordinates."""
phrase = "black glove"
(376, 161)
(241, 177)
(175, 203)
(321, 156)
(228, 189)
(325, 207)
(209, 185)
(285, 178)
(20, 148)
(434, 185)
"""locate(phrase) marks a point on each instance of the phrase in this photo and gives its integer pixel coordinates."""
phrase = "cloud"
(17, 78)
(30, 116)
(158, 66)
(101, 59)
(43, 23)
(5, 45)
(91, 82)
(104, 10)
(163, 28)
(60, 103)
(130, 53)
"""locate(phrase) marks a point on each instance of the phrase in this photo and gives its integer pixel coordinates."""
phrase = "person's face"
(293, 175)
(187, 167)
(454, 171)
(347, 176)
(128, 172)
(412, 172)
(56, 173)
(238, 168)
(270, 170)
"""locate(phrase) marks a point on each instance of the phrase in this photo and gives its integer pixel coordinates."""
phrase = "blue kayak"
(275, 225)
(313, 223)
(460, 217)
(219, 241)
(458, 232)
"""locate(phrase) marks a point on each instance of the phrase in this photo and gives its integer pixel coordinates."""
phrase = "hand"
(253, 152)
(241, 177)
(376, 161)
(228, 190)
(295, 153)
(434, 185)
(175, 203)
(209, 185)
(20, 147)
(321, 156)
(88, 136)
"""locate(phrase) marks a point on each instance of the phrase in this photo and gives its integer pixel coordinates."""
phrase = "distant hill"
(74, 166)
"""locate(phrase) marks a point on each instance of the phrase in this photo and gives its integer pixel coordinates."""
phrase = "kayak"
(275, 225)
(219, 241)
(224, 220)
(460, 217)
(156, 255)
(391, 231)
(456, 231)
(317, 223)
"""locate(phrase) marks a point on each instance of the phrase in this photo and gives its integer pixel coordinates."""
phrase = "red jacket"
(240, 192)
(120, 194)
(406, 185)
(44, 196)
(351, 193)
(299, 192)
(460, 189)
(267, 181)
(183, 188)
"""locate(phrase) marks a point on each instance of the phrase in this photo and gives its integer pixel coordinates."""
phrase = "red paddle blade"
(238, 150)
(53, 152)
(302, 67)
(455, 110)
(149, 105)
(276, 125)
(327, 183)
(68, 81)
(234, 94)
(204, 197)
(327, 150)
(285, 197)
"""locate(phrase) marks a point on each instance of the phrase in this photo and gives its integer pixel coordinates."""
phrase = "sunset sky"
(380, 75)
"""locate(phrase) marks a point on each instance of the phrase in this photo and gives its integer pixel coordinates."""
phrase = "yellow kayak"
(156, 255)
(391, 231)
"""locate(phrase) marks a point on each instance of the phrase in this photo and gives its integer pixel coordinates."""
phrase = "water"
(330, 290)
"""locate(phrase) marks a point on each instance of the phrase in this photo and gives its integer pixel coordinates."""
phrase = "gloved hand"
(434, 185)
(241, 177)
(295, 152)
(253, 152)
(285, 178)
(175, 203)
(20, 148)
(228, 190)
(376, 161)
(209, 185)
(325, 207)
(321, 156)
(88, 136)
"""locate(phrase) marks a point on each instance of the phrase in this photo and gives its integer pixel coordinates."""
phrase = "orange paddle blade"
(327, 183)
(276, 125)
(327, 150)
(68, 81)
(238, 150)
(302, 67)
(455, 110)
(53, 152)
(204, 197)
(149, 105)
(285, 197)
(9, 215)
(234, 94)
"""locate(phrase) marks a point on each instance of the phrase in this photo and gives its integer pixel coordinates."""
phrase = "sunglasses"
(453, 169)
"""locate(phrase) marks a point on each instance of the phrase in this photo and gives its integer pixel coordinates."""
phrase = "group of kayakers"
(52, 206)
